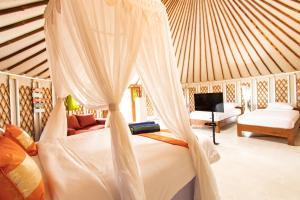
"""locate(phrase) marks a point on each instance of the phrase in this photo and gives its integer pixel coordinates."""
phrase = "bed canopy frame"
(94, 46)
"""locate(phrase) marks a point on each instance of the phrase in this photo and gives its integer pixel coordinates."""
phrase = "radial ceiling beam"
(24, 60)
(22, 50)
(21, 37)
(35, 67)
(23, 7)
(21, 23)
(42, 72)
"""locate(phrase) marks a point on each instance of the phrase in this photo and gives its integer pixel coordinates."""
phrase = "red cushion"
(71, 131)
(73, 122)
(86, 120)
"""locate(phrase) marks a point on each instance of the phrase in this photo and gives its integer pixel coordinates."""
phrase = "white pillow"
(279, 106)
(230, 106)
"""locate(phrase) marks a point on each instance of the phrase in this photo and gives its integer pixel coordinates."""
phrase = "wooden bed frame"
(290, 134)
(220, 124)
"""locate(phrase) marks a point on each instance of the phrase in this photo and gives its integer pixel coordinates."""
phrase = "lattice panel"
(26, 109)
(203, 89)
(262, 94)
(4, 105)
(149, 106)
(79, 111)
(246, 85)
(217, 88)
(281, 90)
(230, 92)
(91, 111)
(47, 96)
(192, 91)
(298, 92)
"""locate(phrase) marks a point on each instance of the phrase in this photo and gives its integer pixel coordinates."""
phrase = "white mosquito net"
(94, 46)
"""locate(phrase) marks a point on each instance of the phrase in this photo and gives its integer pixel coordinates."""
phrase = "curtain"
(158, 72)
(92, 47)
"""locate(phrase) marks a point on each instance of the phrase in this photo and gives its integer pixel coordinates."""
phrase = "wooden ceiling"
(226, 39)
(213, 39)
(22, 39)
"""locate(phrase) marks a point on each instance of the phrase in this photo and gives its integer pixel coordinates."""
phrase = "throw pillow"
(86, 120)
(73, 122)
(20, 177)
(22, 138)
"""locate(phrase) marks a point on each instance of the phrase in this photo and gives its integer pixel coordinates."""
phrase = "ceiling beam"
(35, 67)
(24, 60)
(44, 71)
(22, 50)
(21, 37)
(21, 23)
(23, 7)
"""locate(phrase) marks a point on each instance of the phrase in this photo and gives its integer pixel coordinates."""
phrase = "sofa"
(83, 123)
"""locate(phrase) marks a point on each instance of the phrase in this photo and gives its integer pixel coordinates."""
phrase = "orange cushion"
(22, 138)
(86, 120)
(20, 177)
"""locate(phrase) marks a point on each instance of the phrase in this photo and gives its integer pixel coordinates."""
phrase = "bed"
(62, 173)
(230, 115)
(280, 120)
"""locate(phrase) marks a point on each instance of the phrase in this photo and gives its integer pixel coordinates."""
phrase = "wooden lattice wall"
(149, 106)
(4, 105)
(79, 111)
(47, 96)
(298, 91)
(203, 89)
(217, 88)
(281, 90)
(26, 109)
(246, 85)
(262, 94)
(192, 91)
(230, 93)
(91, 111)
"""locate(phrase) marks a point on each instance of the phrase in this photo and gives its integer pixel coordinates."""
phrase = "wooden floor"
(256, 168)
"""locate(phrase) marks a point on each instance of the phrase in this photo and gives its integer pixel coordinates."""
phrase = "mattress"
(203, 115)
(285, 119)
(164, 175)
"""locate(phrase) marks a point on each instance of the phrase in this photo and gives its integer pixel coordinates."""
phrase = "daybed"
(70, 181)
(83, 123)
(231, 112)
(280, 120)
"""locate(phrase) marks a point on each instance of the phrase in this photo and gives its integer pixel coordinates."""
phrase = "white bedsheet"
(203, 115)
(270, 118)
(165, 168)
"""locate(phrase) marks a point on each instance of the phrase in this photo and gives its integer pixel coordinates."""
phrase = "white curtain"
(93, 46)
(157, 69)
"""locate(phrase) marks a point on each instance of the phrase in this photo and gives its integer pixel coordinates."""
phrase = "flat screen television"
(212, 102)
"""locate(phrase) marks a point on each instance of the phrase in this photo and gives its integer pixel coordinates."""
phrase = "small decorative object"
(38, 100)
(71, 104)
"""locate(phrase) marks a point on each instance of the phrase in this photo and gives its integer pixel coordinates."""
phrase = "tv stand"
(213, 125)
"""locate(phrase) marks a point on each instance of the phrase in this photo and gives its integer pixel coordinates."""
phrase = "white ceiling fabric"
(92, 47)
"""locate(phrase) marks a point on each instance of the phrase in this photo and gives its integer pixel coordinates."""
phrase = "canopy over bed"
(94, 47)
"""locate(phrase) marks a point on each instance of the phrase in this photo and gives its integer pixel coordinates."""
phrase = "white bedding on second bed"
(71, 168)
(270, 118)
(203, 115)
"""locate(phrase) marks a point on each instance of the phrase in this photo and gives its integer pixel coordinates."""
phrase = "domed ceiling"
(225, 39)
(213, 39)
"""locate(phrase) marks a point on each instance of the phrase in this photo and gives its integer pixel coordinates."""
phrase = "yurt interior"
(149, 99)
